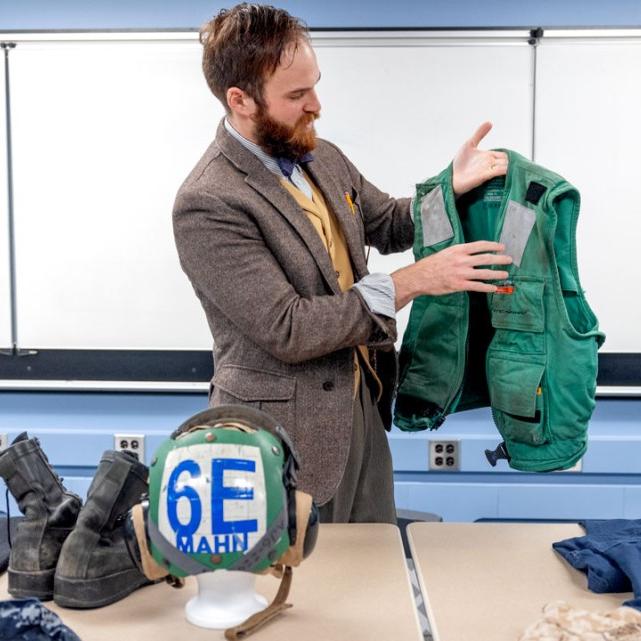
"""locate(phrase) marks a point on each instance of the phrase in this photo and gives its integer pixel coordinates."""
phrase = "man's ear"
(240, 103)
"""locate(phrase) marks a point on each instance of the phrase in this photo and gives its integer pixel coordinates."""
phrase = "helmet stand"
(225, 599)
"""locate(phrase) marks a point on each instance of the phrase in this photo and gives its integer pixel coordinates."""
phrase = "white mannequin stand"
(224, 599)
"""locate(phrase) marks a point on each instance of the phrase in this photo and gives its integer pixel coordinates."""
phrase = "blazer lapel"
(335, 198)
(266, 184)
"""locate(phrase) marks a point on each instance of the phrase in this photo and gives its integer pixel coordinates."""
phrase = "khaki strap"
(259, 619)
(372, 371)
(228, 424)
(150, 568)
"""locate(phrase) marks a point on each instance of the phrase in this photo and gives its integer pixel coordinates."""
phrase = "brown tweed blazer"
(283, 331)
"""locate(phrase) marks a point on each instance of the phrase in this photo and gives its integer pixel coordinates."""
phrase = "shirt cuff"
(378, 293)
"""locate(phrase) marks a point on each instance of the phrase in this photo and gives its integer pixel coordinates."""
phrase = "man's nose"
(313, 103)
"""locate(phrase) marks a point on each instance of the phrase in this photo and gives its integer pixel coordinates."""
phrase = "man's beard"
(280, 140)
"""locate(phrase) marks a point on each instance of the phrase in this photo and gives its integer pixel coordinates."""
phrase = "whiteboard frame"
(320, 38)
(179, 387)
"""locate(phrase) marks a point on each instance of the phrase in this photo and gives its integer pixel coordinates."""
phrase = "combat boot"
(50, 513)
(95, 567)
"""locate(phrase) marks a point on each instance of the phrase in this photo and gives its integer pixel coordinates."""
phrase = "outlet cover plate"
(134, 443)
(444, 456)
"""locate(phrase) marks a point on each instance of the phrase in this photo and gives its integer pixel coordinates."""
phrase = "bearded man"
(272, 239)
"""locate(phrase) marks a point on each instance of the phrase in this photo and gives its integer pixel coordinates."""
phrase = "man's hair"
(243, 46)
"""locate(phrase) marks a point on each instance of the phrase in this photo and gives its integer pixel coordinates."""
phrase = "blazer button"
(328, 386)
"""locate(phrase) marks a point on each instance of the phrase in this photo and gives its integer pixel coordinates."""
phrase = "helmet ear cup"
(304, 514)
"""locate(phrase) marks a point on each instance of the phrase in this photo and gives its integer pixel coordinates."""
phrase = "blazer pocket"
(271, 392)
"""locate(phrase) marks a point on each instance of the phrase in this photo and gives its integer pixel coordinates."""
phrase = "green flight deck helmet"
(222, 496)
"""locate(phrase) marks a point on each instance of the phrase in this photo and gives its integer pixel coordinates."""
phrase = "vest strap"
(534, 192)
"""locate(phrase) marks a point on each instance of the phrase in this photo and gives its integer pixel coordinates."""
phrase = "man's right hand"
(454, 269)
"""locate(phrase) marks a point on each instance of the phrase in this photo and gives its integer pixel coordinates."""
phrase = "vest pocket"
(519, 318)
(517, 396)
(522, 310)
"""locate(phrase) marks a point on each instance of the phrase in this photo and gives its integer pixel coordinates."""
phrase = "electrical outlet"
(4, 441)
(134, 443)
(444, 456)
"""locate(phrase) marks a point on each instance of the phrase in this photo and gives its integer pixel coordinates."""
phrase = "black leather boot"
(50, 513)
(95, 567)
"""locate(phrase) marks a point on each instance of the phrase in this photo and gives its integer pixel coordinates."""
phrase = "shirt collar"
(265, 158)
(278, 166)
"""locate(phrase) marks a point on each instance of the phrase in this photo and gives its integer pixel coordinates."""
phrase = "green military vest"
(530, 350)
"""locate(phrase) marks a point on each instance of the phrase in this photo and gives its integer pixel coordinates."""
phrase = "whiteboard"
(106, 132)
(588, 112)
(400, 113)
(5, 297)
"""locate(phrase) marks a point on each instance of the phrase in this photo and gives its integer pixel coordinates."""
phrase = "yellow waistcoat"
(330, 232)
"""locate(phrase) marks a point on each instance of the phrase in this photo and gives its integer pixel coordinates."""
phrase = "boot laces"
(53, 471)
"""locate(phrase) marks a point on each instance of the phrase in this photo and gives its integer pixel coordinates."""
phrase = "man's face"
(285, 126)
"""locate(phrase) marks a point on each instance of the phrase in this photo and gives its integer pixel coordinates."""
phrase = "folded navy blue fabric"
(610, 555)
(29, 620)
(611, 527)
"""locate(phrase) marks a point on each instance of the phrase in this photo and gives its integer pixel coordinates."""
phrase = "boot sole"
(98, 592)
(38, 583)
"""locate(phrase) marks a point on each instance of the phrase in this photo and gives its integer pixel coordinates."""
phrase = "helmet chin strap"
(292, 557)
(259, 619)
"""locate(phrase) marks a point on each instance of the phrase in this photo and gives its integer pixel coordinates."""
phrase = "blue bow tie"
(287, 166)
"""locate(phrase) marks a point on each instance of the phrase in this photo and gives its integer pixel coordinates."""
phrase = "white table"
(354, 587)
(489, 582)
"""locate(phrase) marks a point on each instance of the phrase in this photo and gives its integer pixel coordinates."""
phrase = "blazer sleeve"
(232, 269)
(388, 221)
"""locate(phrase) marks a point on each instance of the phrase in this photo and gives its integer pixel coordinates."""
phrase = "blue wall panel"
(608, 485)
(75, 428)
(632, 502)
(472, 501)
(453, 501)
(561, 502)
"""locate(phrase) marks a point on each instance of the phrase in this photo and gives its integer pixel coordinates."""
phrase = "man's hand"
(472, 166)
(453, 269)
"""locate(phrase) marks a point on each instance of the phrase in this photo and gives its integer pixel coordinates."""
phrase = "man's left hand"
(473, 166)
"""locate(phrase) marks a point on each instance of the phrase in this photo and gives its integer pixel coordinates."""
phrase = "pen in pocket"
(350, 202)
